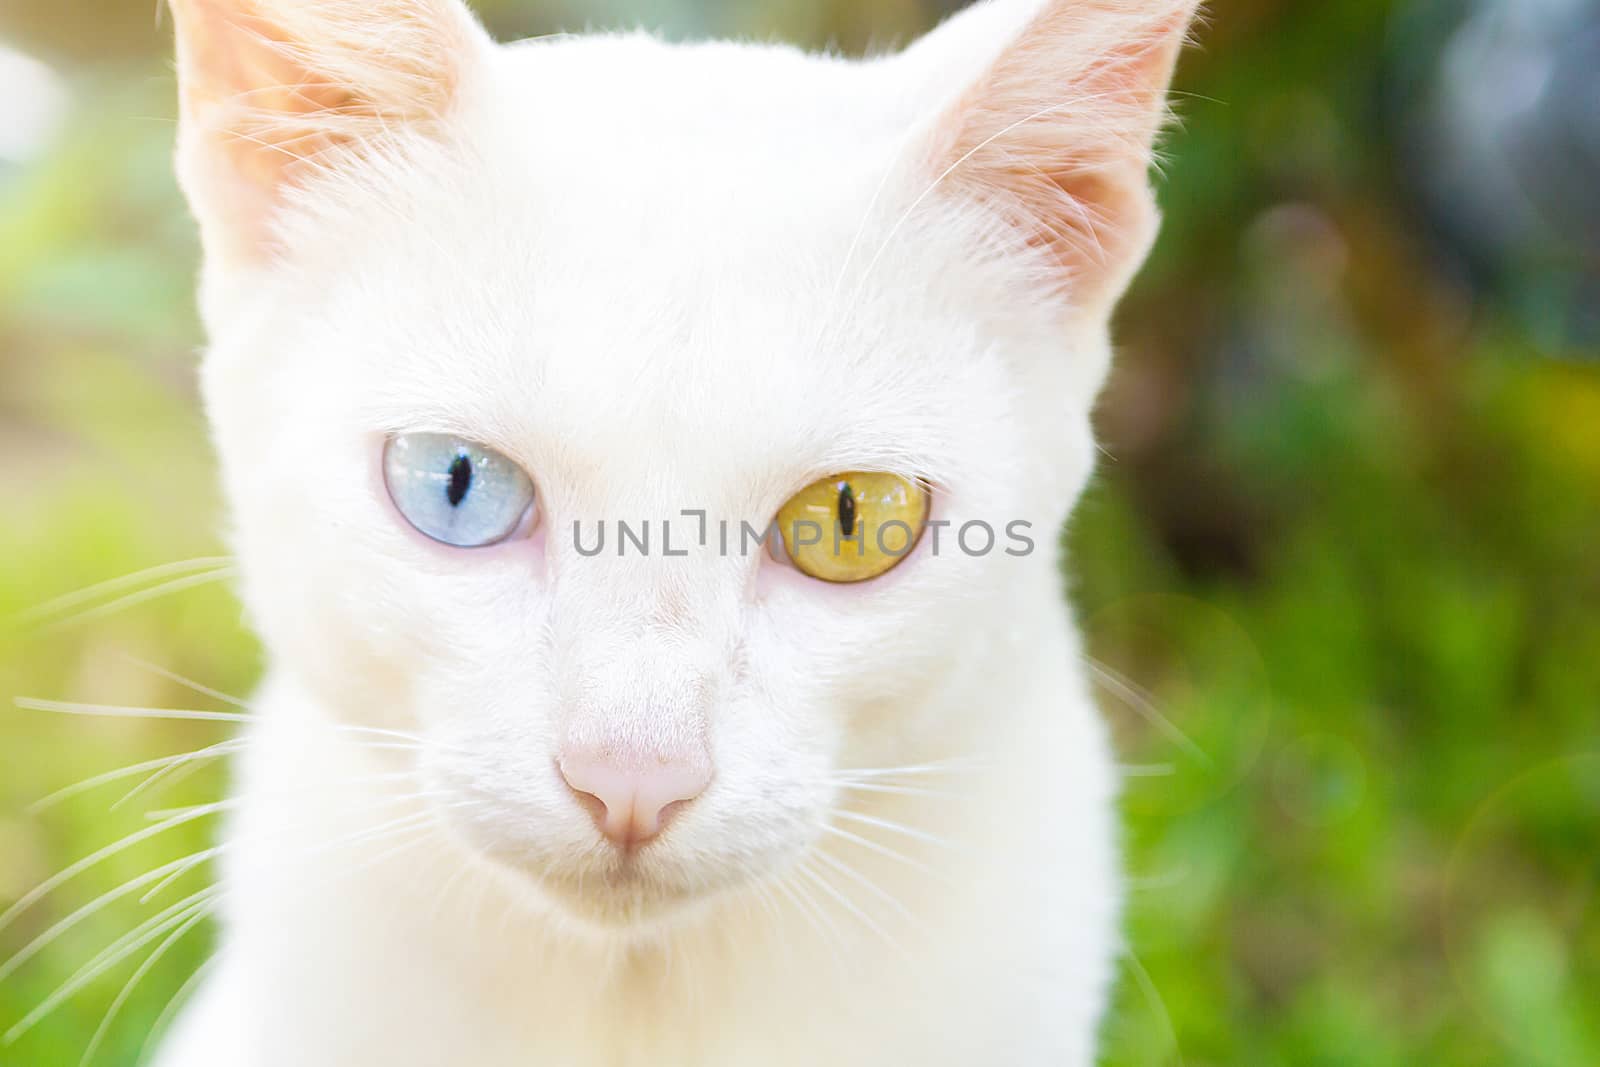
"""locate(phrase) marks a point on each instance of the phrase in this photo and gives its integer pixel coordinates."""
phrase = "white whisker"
(119, 711)
(175, 1004)
(892, 827)
(133, 983)
(1147, 770)
(131, 711)
(232, 803)
(804, 907)
(1153, 995)
(1146, 883)
(187, 683)
(881, 849)
(1139, 701)
(198, 904)
(173, 772)
(176, 585)
(54, 882)
(910, 770)
(100, 903)
(850, 906)
(896, 790)
(866, 883)
(90, 784)
(117, 585)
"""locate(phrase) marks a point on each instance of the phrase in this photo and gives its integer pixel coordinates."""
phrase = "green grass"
(1387, 853)
(1345, 547)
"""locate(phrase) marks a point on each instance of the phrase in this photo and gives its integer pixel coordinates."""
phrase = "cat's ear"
(1058, 131)
(272, 91)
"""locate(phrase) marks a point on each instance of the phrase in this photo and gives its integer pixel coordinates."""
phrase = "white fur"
(660, 278)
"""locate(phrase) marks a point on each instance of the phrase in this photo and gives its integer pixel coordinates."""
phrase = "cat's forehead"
(712, 373)
(722, 110)
(750, 161)
(657, 272)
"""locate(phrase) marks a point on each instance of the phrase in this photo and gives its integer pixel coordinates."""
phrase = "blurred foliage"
(1339, 569)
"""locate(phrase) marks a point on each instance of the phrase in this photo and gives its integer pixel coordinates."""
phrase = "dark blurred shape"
(1502, 143)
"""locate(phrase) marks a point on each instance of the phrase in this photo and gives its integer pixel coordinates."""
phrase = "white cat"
(511, 801)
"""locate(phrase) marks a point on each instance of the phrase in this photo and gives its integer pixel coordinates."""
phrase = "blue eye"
(455, 491)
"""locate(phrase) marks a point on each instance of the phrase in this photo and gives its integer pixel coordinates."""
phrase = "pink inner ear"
(274, 89)
(245, 89)
(1059, 134)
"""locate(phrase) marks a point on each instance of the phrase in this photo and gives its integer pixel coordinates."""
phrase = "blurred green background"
(1340, 568)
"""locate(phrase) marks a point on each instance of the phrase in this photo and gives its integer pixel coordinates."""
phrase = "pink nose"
(631, 800)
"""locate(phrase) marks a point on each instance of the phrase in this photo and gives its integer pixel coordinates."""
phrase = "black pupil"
(460, 480)
(847, 509)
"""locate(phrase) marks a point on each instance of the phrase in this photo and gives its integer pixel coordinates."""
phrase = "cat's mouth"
(623, 894)
(600, 886)
(628, 895)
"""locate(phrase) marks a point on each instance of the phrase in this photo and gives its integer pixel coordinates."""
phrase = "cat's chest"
(362, 983)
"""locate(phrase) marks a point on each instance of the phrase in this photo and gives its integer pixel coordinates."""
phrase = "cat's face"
(654, 281)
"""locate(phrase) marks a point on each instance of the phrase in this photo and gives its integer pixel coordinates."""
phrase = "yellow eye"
(852, 527)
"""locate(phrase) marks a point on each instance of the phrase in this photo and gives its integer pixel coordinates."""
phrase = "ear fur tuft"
(1059, 133)
(272, 89)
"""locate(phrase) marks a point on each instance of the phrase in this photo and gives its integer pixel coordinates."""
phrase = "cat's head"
(516, 297)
